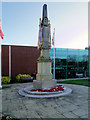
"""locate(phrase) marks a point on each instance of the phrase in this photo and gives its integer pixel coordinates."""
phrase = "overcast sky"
(20, 23)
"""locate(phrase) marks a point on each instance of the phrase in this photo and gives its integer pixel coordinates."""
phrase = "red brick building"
(22, 62)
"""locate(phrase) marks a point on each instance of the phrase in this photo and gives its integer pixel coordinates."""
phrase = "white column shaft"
(9, 61)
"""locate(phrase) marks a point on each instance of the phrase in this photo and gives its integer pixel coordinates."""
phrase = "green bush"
(18, 77)
(5, 80)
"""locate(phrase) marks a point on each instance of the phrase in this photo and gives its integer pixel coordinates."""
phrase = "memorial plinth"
(44, 75)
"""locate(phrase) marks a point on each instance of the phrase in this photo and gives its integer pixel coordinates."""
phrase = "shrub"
(5, 80)
(13, 80)
(18, 77)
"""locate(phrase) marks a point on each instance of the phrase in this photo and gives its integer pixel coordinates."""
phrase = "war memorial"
(73, 105)
(44, 86)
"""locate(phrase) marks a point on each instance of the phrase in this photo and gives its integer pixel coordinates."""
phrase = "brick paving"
(74, 105)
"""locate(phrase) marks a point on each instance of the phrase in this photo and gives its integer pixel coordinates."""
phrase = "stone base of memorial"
(44, 75)
(45, 93)
(40, 84)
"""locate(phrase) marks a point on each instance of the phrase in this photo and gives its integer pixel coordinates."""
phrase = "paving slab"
(80, 112)
(74, 105)
(70, 115)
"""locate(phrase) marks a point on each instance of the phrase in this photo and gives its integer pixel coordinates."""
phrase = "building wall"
(5, 60)
(23, 60)
(70, 62)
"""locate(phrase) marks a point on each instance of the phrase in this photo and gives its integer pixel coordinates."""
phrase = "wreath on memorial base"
(58, 88)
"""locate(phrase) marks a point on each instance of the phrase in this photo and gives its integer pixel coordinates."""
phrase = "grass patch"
(85, 82)
(4, 87)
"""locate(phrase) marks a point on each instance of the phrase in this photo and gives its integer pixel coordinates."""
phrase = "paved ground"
(74, 105)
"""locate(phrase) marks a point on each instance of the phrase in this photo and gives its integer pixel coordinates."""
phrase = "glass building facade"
(70, 63)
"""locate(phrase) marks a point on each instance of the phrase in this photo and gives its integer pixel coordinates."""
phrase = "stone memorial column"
(44, 75)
